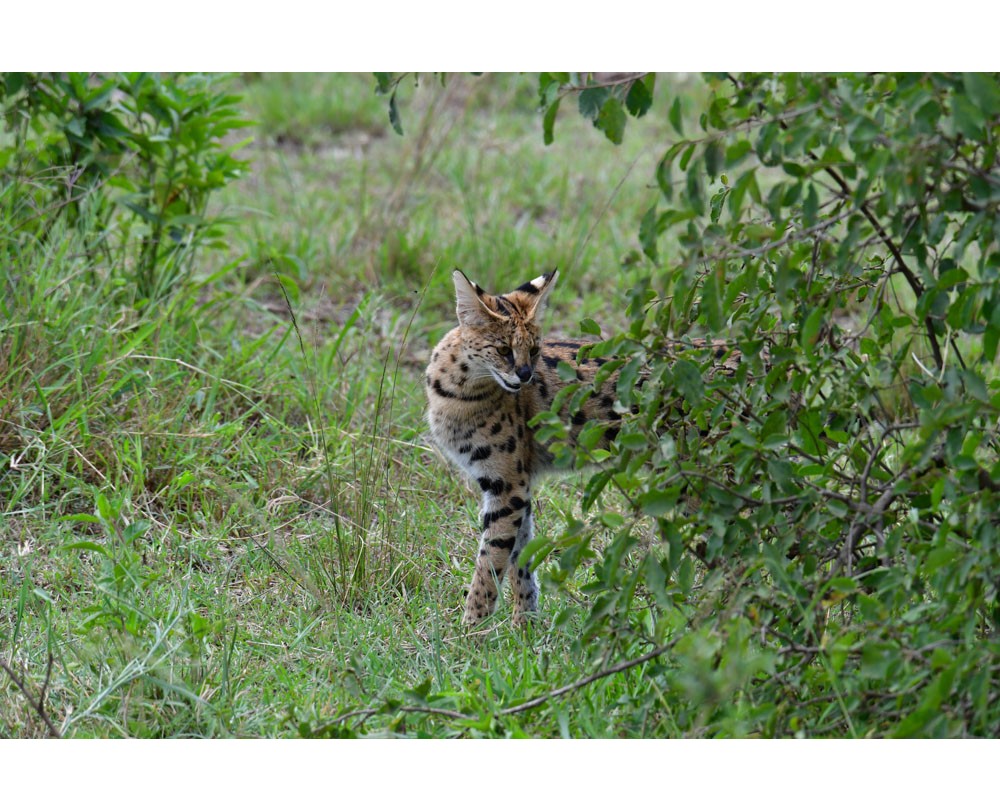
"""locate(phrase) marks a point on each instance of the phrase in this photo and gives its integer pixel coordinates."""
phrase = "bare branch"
(37, 704)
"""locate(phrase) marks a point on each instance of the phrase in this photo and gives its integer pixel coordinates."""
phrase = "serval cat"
(486, 380)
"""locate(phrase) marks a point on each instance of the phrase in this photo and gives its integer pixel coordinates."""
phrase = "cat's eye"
(505, 352)
(534, 351)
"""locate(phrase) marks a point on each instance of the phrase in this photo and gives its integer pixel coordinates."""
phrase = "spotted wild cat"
(486, 380)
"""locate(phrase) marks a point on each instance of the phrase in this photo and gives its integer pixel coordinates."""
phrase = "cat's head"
(504, 328)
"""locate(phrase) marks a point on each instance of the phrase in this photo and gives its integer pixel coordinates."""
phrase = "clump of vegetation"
(810, 541)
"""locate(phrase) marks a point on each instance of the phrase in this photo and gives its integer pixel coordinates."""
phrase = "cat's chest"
(489, 439)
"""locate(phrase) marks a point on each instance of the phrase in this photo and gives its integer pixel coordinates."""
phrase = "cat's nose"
(524, 373)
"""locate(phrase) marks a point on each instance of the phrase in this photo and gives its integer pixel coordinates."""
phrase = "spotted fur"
(487, 378)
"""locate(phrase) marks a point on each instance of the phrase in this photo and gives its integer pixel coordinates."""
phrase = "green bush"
(824, 548)
(130, 160)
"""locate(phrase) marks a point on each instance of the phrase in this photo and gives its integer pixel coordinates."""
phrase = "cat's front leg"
(503, 522)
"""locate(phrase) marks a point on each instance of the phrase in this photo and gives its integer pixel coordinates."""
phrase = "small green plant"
(133, 158)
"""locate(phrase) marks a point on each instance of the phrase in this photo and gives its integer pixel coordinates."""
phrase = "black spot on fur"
(494, 486)
(501, 543)
(482, 452)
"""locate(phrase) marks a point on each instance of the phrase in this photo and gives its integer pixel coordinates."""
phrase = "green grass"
(218, 520)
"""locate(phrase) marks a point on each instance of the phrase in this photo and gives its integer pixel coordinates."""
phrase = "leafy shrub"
(129, 159)
(824, 550)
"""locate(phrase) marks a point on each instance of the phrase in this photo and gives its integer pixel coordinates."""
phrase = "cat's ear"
(470, 307)
(543, 285)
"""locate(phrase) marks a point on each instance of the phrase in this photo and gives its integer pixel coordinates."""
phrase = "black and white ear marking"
(542, 286)
(535, 286)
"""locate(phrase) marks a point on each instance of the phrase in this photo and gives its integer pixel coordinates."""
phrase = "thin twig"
(610, 671)
(39, 704)
(527, 705)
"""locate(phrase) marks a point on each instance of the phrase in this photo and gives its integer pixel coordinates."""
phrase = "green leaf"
(736, 152)
(594, 487)
(968, 117)
(105, 509)
(136, 530)
(87, 546)
(675, 116)
(984, 91)
(86, 518)
(591, 102)
(566, 372)
(774, 432)
(991, 338)
(810, 206)
(549, 122)
(611, 120)
(656, 579)
(632, 441)
(781, 472)
(657, 503)
(689, 382)
(686, 157)
(810, 329)
(639, 99)
(549, 87)
(664, 179)
(713, 158)
(394, 119)
(712, 301)
(591, 435)
(13, 83)
(716, 203)
(810, 429)
(648, 233)
(590, 327)
(694, 190)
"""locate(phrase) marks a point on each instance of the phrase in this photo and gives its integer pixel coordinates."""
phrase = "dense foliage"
(812, 540)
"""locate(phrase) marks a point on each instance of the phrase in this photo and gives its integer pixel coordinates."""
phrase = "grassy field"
(222, 518)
